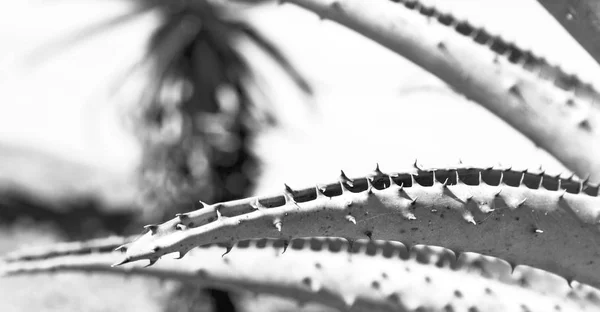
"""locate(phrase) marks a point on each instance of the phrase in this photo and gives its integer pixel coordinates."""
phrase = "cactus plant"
(526, 218)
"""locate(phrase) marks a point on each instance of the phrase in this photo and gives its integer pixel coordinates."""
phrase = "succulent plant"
(510, 240)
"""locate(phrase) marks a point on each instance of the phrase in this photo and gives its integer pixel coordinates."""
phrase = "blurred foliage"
(197, 116)
(194, 120)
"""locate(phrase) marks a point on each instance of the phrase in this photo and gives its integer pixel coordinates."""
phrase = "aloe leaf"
(523, 217)
(376, 275)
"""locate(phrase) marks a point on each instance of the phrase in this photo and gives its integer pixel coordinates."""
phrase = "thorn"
(125, 260)
(151, 227)
(257, 205)
(121, 248)
(182, 216)
(522, 177)
(181, 227)
(369, 234)
(152, 262)
(345, 189)
(219, 215)
(584, 181)
(414, 201)
(470, 197)
(391, 180)
(351, 219)
(227, 250)
(516, 205)
(498, 193)
(445, 184)
(286, 243)
(290, 192)
(562, 195)
(501, 178)
(469, 218)
(182, 253)
(369, 186)
(344, 179)
(320, 191)
(413, 181)
(377, 172)
(277, 225)
(479, 177)
(402, 193)
(204, 205)
(416, 165)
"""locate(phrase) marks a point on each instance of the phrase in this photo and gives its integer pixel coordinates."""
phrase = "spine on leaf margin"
(524, 217)
(392, 277)
(556, 111)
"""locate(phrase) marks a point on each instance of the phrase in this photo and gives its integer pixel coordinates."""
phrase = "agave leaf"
(523, 217)
(551, 112)
(373, 275)
(581, 18)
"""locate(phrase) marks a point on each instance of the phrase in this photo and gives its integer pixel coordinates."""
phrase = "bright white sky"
(373, 106)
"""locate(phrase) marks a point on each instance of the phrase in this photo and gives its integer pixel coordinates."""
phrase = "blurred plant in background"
(194, 118)
(197, 114)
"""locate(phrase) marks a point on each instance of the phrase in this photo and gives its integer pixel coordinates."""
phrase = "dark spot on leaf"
(458, 294)
(375, 285)
(585, 125)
